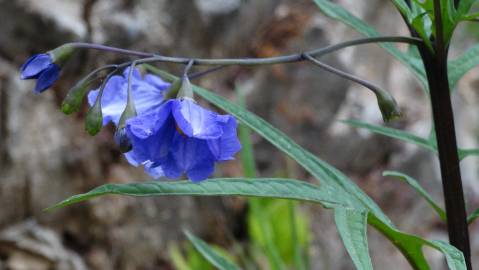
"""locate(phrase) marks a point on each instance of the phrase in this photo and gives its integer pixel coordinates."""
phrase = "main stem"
(436, 70)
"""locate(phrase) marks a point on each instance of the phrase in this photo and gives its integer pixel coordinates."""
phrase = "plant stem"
(435, 64)
(152, 57)
(436, 70)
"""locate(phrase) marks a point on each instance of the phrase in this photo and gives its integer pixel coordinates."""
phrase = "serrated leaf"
(393, 133)
(420, 190)
(337, 12)
(352, 226)
(210, 254)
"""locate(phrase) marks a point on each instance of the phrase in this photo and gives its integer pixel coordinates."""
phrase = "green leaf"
(403, 8)
(339, 13)
(250, 187)
(420, 190)
(426, 143)
(352, 227)
(458, 67)
(210, 254)
(393, 133)
(247, 156)
(411, 246)
(454, 258)
(344, 191)
(464, 153)
(472, 217)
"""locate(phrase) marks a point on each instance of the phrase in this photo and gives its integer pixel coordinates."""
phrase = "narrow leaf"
(420, 190)
(454, 257)
(393, 133)
(259, 187)
(352, 227)
(211, 255)
(472, 217)
(464, 153)
(344, 191)
(458, 67)
(339, 13)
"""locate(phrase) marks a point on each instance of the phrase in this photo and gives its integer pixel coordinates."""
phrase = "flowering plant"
(160, 125)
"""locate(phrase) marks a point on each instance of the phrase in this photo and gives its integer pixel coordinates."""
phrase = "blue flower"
(147, 94)
(181, 137)
(42, 68)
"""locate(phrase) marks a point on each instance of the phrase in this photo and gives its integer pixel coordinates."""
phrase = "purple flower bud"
(41, 68)
(45, 67)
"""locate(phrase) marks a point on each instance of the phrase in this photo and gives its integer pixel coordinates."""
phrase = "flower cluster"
(168, 137)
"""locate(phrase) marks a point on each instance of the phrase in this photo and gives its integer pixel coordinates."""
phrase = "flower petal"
(132, 158)
(146, 96)
(156, 82)
(47, 78)
(226, 146)
(152, 134)
(155, 172)
(113, 100)
(195, 121)
(34, 66)
(193, 157)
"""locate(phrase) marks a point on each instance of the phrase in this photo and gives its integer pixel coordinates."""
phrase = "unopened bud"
(388, 105)
(74, 98)
(94, 118)
(122, 140)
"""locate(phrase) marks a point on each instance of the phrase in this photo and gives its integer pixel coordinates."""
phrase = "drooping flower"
(42, 68)
(181, 137)
(147, 94)
(45, 67)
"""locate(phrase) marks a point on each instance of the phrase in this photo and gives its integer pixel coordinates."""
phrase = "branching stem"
(153, 57)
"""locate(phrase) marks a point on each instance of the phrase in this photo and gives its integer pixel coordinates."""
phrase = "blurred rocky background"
(46, 156)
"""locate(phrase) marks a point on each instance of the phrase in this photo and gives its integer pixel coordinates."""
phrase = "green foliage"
(273, 227)
(249, 187)
(426, 143)
(352, 226)
(472, 217)
(191, 260)
(344, 191)
(339, 13)
(214, 257)
(459, 67)
(420, 190)
(393, 133)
